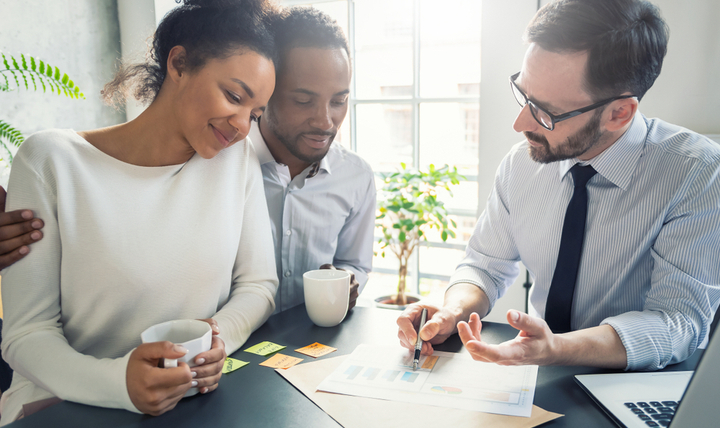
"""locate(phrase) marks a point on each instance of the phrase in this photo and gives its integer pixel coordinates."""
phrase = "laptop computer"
(659, 399)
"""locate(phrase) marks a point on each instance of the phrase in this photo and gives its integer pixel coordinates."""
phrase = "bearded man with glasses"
(616, 216)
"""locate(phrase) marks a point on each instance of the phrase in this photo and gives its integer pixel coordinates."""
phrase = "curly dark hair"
(626, 41)
(207, 29)
(306, 27)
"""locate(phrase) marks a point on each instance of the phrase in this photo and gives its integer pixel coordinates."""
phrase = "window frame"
(415, 272)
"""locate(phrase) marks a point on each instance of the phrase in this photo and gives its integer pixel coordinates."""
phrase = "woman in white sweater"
(157, 219)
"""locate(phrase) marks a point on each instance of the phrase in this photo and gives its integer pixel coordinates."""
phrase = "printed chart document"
(443, 379)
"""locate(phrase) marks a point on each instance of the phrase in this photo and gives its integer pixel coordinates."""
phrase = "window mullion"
(416, 121)
(353, 87)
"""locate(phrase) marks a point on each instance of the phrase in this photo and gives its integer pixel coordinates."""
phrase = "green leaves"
(27, 72)
(9, 135)
(408, 207)
(30, 70)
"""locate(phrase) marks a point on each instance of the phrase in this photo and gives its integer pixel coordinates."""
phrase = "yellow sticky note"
(280, 361)
(429, 362)
(264, 348)
(231, 364)
(316, 350)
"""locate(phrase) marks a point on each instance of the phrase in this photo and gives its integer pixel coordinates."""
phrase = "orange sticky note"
(280, 361)
(316, 350)
(429, 362)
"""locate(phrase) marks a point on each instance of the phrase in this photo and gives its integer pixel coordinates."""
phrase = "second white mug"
(326, 296)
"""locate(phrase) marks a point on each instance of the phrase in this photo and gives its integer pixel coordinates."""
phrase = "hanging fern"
(30, 73)
(11, 135)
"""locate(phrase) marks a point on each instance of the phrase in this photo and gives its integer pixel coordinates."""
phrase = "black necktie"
(562, 288)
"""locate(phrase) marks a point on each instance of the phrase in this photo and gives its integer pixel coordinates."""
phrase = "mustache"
(319, 134)
(538, 138)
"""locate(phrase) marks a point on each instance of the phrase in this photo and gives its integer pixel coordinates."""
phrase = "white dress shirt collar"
(264, 155)
(617, 163)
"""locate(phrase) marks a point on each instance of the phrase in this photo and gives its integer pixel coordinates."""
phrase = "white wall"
(502, 51)
(138, 20)
(687, 92)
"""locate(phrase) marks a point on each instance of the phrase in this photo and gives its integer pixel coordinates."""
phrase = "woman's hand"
(209, 367)
(154, 390)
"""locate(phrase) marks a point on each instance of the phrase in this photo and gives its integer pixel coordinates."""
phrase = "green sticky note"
(264, 348)
(231, 364)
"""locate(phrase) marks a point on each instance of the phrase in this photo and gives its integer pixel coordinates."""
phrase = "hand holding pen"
(418, 343)
(440, 325)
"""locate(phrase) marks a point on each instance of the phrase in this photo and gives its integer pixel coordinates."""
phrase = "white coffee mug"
(326, 296)
(193, 335)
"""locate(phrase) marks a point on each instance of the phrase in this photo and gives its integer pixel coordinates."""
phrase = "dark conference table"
(257, 396)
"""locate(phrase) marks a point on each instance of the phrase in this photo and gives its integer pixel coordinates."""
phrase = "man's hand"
(18, 229)
(209, 367)
(354, 285)
(439, 326)
(534, 344)
(154, 390)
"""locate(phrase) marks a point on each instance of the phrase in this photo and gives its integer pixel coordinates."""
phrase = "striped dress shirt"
(326, 214)
(649, 266)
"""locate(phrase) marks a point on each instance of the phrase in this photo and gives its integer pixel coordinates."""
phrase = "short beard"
(575, 145)
(291, 142)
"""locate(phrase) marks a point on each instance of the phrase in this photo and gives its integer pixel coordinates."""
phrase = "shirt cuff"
(121, 382)
(644, 335)
(478, 278)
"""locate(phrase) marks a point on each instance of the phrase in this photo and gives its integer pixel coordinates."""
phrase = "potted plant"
(34, 74)
(408, 208)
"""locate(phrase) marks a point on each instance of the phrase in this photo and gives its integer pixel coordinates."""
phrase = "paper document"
(444, 379)
(362, 412)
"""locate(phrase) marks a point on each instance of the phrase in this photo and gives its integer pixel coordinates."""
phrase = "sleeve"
(33, 341)
(491, 257)
(254, 279)
(685, 282)
(354, 250)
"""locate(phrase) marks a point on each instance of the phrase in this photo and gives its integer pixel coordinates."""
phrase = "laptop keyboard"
(654, 413)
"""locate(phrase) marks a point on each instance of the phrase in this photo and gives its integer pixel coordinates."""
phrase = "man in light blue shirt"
(648, 280)
(321, 197)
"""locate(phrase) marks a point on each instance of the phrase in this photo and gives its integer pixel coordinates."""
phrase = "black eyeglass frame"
(559, 118)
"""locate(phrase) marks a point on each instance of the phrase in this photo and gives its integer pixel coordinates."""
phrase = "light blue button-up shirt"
(326, 218)
(650, 266)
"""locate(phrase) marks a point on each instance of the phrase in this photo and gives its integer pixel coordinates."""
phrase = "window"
(415, 99)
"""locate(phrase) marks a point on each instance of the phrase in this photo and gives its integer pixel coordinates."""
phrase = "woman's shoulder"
(240, 156)
(49, 143)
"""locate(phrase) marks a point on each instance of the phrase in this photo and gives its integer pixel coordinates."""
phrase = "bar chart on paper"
(443, 379)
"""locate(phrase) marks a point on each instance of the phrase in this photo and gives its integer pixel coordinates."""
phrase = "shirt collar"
(264, 155)
(617, 163)
(258, 142)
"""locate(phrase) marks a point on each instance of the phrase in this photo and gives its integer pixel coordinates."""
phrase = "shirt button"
(287, 273)
(288, 232)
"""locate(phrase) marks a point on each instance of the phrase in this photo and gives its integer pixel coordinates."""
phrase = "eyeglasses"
(548, 120)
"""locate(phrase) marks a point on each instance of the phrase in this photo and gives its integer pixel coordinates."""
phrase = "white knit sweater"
(126, 247)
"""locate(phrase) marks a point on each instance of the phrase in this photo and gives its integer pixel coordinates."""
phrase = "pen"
(418, 343)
